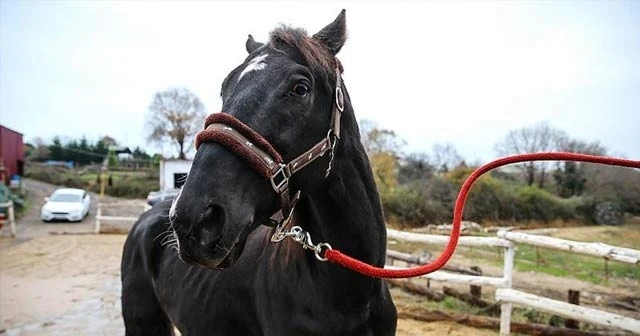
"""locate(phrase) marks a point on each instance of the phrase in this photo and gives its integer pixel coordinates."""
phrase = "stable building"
(11, 154)
(173, 173)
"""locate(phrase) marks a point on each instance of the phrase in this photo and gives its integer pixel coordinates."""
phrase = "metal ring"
(339, 99)
(319, 249)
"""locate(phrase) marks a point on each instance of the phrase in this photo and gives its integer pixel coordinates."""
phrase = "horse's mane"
(313, 52)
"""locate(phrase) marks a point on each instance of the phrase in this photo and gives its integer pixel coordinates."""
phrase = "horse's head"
(285, 91)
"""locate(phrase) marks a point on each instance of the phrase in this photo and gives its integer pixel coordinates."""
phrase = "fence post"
(12, 219)
(98, 216)
(574, 298)
(475, 290)
(505, 307)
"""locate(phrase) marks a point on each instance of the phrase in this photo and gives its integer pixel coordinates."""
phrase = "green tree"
(570, 176)
(139, 154)
(56, 152)
(570, 179)
(112, 160)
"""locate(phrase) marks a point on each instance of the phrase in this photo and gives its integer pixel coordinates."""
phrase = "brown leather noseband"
(263, 158)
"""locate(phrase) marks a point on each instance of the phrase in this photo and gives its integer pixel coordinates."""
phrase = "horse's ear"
(252, 45)
(334, 34)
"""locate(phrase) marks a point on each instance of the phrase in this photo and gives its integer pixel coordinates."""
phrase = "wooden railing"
(508, 296)
(109, 205)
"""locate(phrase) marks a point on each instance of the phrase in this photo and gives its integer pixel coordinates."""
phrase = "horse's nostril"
(211, 222)
(213, 214)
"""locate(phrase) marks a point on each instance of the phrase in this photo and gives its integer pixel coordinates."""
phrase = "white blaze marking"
(254, 65)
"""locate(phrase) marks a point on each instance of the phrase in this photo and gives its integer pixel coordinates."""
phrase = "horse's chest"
(252, 313)
(264, 303)
(296, 310)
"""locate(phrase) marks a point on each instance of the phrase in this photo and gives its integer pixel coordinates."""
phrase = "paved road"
(60, 285)
(31, 226)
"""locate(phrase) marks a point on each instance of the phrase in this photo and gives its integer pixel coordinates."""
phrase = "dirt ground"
(70, 284)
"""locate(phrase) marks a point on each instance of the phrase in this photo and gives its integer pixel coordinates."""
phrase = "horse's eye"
(300, 89)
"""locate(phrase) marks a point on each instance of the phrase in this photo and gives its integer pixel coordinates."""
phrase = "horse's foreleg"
(141, 310)
(142, 313)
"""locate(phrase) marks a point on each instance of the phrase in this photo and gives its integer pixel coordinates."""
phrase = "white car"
(155, 197)
(66, 204)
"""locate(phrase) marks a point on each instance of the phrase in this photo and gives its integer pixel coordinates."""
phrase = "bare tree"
(40, 151)
(175, 116)
(533, 139)
(383, 147)
(445, 157)
(379, 140)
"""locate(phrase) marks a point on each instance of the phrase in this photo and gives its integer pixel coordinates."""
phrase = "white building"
(173, 173)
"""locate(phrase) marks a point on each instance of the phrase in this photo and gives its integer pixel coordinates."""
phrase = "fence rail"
(593, 249)
(508, 296)
(103, 205)
(440, 239)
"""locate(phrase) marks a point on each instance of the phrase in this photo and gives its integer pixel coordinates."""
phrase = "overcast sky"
(462, 72)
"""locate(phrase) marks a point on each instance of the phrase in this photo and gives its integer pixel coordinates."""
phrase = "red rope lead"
(337, 257)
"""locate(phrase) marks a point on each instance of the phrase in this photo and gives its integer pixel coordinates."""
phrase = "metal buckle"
(283, 174)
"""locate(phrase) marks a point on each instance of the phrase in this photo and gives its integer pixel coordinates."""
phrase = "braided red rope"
(337, 257)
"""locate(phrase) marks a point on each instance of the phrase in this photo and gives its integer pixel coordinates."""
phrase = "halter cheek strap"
(263, 158)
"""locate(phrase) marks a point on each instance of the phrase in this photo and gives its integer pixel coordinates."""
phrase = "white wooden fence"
(109, 205)
(508, 296)
(10, 219)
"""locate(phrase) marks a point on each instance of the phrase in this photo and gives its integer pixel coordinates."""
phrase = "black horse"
(228, 277)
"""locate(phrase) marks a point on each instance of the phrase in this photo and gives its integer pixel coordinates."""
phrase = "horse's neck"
(346, 213)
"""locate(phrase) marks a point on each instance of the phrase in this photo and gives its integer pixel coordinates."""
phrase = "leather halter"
(263, 158)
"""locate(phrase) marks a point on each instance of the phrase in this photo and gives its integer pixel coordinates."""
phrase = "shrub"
(130, 186)
(490, 199)
(414, 204)
(599, 210)
(537, 204)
